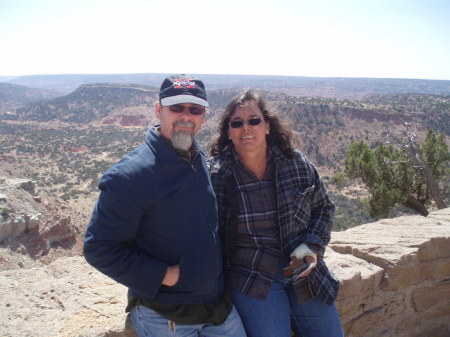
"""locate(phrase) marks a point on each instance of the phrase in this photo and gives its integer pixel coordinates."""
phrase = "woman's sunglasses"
(193, 110)
(252, 121)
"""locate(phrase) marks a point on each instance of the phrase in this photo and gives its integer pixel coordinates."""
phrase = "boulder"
(395, 276)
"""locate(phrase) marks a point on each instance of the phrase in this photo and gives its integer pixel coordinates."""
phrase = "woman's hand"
(303, 250)
(303, 261)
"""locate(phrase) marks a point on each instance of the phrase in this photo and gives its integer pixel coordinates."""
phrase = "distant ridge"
(332, 123)
(333, 87)
(92, 102)
(13, 95)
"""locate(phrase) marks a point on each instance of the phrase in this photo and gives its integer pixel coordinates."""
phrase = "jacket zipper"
(192, 162)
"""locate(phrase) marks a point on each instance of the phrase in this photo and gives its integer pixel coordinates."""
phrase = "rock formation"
(35, 227)
(395, 282)
(395, 276)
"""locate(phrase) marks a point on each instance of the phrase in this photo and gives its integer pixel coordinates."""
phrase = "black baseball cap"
(182, 88)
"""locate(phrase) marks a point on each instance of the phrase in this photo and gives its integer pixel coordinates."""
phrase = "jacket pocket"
(198, 274)
(302, 204)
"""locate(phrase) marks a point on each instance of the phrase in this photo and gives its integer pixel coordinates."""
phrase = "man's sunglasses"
(252, 121)
(193, 110)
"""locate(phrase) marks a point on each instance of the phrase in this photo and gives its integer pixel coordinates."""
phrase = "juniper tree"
(401, 172)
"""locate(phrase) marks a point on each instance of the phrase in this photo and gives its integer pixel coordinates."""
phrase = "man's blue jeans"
(148, 323)
(271, 317)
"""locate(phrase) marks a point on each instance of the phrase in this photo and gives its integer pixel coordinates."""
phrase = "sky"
(319, 38)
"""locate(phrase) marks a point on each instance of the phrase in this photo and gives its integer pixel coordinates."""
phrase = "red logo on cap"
(183, 82)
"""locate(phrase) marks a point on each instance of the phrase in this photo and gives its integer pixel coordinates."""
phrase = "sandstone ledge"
(395, 277)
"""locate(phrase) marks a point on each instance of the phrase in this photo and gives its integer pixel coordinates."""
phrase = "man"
(154, 227)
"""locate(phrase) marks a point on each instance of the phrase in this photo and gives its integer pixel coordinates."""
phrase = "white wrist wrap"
(303, 250)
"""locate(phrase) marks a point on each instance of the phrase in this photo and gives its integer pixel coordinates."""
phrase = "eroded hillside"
(65, 143)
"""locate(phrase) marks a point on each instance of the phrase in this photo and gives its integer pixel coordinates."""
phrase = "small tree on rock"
(401, 172)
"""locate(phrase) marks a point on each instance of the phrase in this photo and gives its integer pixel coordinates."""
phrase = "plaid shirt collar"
(273, 153)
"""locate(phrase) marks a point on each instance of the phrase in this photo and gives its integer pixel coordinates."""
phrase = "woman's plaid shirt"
(255, 250)
(305, 212)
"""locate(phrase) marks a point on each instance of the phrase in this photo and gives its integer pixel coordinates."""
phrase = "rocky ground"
(394, 277)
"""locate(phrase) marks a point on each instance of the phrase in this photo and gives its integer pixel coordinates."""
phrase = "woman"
(274, 213)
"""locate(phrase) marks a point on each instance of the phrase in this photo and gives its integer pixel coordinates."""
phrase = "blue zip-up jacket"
(156, 210)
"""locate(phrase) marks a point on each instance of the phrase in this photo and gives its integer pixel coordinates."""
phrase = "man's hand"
(172, 275)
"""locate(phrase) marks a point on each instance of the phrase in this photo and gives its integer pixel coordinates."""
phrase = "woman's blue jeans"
(271, 317)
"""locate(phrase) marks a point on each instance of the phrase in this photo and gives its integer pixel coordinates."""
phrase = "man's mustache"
(184, 124)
